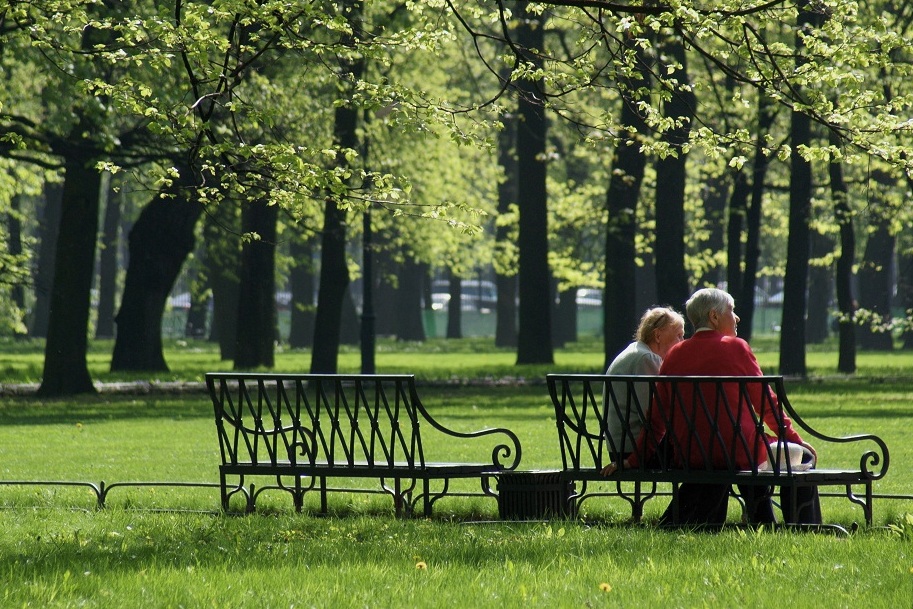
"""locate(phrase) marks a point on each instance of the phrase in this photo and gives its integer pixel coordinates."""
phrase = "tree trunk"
(48, 229)
(455, 305)
(820, 289)
(760, 165)
(875, 277)
(223, 265)
(66, 370)
(350, 324)
(628, 166)
(506, 321)
(14, 247)
(107, 261)
(905, 293)
(738, 219)
(566, 318)
(408, 306)
(715, 198)
(160, 241)
(846, 359)
(198, 287)
(334, 272)
(334, 281)
(534, 339)
(671, 278)
(792, 338)
(302, 280)
(256, 335)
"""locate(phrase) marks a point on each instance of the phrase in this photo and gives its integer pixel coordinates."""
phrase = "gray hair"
(654, 319)
(703, 302)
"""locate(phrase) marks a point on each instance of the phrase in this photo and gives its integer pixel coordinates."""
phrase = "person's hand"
(613, 467)
(812, 449)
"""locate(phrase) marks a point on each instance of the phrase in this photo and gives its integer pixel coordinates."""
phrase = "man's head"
(714, 309)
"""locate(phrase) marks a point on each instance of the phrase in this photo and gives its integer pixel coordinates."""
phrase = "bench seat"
(583, 402)
(301, 430)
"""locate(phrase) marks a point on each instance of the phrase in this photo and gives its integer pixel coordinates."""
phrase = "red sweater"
(711, 353)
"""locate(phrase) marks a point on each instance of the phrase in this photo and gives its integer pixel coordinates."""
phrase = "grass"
(171, 547)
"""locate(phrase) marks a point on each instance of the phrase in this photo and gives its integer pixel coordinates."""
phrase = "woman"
(660, 328)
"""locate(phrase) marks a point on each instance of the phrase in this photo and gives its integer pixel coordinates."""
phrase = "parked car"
(476, 295)
(589, 297)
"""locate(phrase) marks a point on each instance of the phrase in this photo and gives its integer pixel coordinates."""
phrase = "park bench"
(299, 430)
(582, 403)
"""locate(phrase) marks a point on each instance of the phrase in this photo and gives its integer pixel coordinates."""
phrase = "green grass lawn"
(171, 547)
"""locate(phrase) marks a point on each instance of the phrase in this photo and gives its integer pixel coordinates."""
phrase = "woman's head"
(660, 328)
(712, 308)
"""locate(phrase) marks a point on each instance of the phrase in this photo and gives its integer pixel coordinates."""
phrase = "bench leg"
(323, 495)
(637, 507)
(426, 489)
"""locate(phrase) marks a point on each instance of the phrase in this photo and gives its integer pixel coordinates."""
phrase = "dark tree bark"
(455, 306)
(875, 283)
(409, 296)
(628, 166)
(760, 165)
(303, 281)
(738, 219)
(534, 340)
(334, 273)
(792, 338)
(256, 335)
(334, 283)
(905, 293)
(350, 326)
(48, 229)
(715, 197)
(107, 262)
(671, 278)
(846, 359)
(159, 242)
(14, 247)
(66, 370)
(223, 266)
(566, 318)
(506, 321)
(198, 311)
(820, 289)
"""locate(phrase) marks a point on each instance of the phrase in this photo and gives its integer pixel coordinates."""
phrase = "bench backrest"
(308, 419)
(720, 422)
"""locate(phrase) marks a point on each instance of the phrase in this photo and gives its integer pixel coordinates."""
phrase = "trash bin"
(534, 496)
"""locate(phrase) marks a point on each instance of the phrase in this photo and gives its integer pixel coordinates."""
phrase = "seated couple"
(713, 350)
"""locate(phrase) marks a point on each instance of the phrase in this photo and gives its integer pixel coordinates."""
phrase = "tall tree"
(334, 271)
(759, 169)
(672, 286)
(66, 370)
(256, 334)
(534, 344)
(505, 239)
(302, 280)
(108, 261)
(628, 167)
(846, 327)
(170, 218)
(792, 341)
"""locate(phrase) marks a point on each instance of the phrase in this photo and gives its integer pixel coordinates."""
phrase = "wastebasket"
(534, 496)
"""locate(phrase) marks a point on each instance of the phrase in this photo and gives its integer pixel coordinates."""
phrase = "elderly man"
(715, 350)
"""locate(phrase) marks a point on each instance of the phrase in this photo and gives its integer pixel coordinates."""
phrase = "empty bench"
(583, 403)
(300, 430)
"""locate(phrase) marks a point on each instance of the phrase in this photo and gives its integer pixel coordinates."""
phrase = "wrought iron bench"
(300, 430)
(583, 402)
